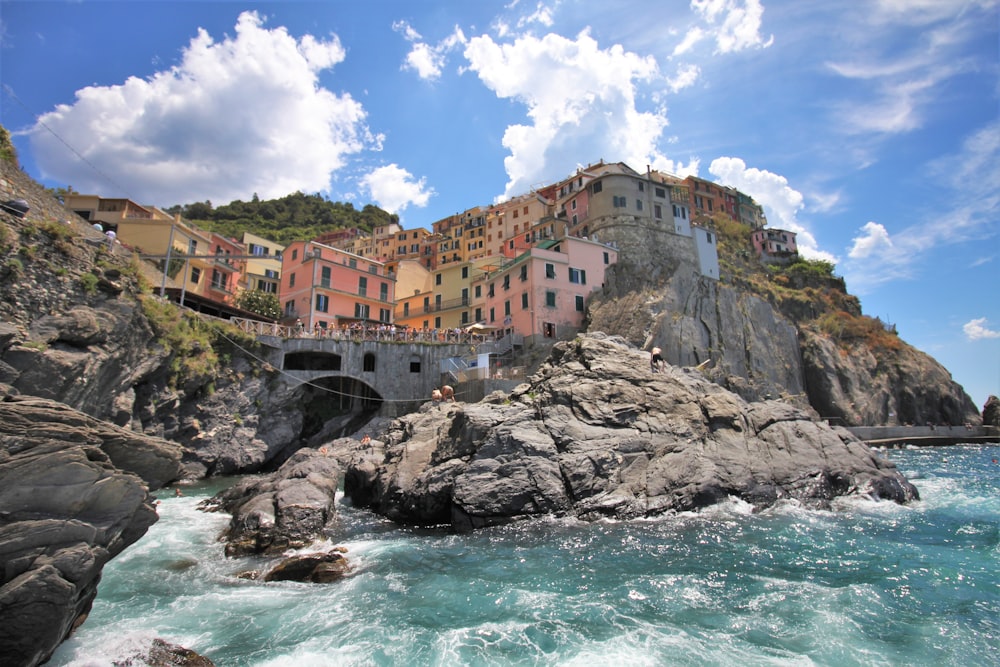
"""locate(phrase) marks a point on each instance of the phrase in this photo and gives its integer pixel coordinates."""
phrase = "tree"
(259, 302)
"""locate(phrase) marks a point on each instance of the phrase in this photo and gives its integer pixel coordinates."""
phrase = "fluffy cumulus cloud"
(235, 117)
(978, 329)
(872, 241)
(733, 24)
(781, 202)
(394, 188)
(425, 59)
(580, 99)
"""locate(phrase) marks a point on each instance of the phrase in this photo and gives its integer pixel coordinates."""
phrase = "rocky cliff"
(74, 492)
(766, 333)
(596, 434)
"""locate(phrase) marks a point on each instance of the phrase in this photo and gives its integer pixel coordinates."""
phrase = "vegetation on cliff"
(294, 217)
(805, 291)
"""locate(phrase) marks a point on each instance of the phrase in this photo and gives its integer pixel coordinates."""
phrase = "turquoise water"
(865, 584)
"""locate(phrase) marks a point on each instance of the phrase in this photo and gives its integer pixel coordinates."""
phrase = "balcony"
(446, 305)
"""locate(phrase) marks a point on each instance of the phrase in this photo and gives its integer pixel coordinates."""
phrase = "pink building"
(773, 242)
(326, 287)
(228, 269)
(543, 292)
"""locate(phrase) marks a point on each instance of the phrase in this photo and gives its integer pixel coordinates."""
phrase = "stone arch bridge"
(367, 372)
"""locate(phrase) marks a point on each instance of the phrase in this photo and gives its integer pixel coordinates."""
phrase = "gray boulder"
(596, 434)
(287, 509)
(74, 493)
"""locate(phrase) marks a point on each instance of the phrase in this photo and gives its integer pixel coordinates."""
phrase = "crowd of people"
(388, 332)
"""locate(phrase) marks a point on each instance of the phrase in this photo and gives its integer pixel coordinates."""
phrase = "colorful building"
(263, 265)
(773, 243)
(543, 292)
(326, 287)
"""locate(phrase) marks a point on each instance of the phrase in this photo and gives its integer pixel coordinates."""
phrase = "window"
(597, 186)
(270, 273)
(657, 211)
(506, 281)
(465, 272)
(524, 300)
(638, 204)
(524, 272)
(383, 292)
(415, 365)
(573, 205)
(660, 192)
(361, 311)
(362, 286)
(619, 202)
(295, 254)
(195, 275)
(515, 213)
(218, 279)
(322, 303)
(491, 292)
(607, 258)
(709, 204)
(384, 315)
(578, 276)
(406, 309)
(479, 314)
(708, 236)
(368, 363)
(437, 279)
(266, 287)
(437, 302)
(550, 270)
(479, 293)
(506, 307)
(353, 263)
(290, 307)
(642, 186)
(579, 303)
(526, 210)
(437, 322)
(192, 247)
(465, 317)
(324, 280)
(493, 317)
(550, 299)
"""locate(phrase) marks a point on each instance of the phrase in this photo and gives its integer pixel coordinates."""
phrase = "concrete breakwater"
(925, 435)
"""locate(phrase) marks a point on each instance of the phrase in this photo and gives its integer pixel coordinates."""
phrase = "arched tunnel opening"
(333, 407)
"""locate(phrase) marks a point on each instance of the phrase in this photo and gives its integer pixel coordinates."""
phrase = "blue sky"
(869, 127)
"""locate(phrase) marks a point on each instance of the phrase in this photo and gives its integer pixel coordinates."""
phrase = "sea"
(861, 583)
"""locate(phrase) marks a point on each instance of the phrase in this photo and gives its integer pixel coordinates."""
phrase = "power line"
(113, 182)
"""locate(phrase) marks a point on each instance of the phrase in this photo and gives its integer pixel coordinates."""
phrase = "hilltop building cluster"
(526, 265)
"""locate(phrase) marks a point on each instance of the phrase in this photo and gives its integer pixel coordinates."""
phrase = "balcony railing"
(446, 305)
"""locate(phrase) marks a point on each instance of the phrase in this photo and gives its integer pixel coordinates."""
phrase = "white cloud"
(977, 329)
(781, 202)
(239, 116)
(735, 25)
(971, 175)
(874, 238)
(692, 37)
(393, 188)
(580, 100)
(426, 60)
(898, 78)
(542, 16)
(686, 76)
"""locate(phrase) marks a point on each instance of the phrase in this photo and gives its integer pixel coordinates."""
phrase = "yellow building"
(263, 266)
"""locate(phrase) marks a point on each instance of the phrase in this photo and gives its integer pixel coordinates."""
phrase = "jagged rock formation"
(288, 509)
(594, 434)
(762, 348)
(74, 492)
(991, 412)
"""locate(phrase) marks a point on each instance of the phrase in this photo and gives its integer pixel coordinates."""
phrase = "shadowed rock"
(74, 492)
